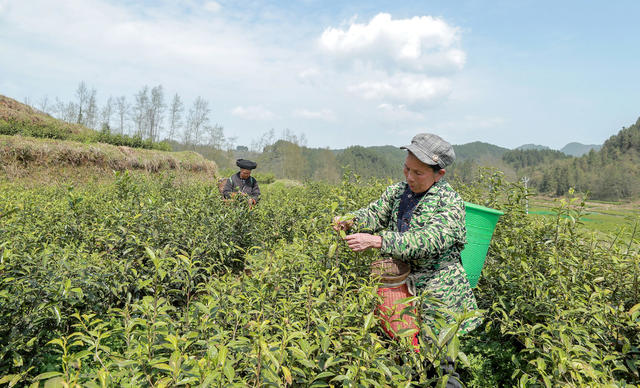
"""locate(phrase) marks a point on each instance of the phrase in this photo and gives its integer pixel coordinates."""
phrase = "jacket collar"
(435, 189)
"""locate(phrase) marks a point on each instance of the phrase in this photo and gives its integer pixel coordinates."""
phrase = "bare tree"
(230, 142)
(291, 137)
(58, 108)
(91, 116)
(175, 115)
(156, 111)
(87, 106)
(216, 137)
(106, 113)
(267, 138)
(67, 112)
(140, 110)
(43, 104)
(122, 108)
(196, 121)
(82, 93)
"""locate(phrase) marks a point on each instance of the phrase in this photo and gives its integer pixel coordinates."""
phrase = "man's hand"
(339, 224)
(361, 241)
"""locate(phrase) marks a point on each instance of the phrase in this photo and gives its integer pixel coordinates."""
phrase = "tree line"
(520, 159)
(610, 173)
(149, 114)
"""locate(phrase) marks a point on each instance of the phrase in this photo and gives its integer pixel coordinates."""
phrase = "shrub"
(146, 282)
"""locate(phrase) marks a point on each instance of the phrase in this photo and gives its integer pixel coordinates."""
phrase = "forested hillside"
(471, 156)
(479, 151)
(531, 146)
(579, 149)
(287, 159)
(523, 158)
(609, 174)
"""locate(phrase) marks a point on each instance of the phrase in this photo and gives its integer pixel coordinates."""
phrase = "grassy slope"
(24, 157)
(14, 113)
(47, 159)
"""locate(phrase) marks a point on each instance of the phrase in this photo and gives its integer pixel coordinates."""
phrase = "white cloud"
(212, 6)
(253, 113)
(390, 107)
(410, 89)
(309, 73)
(160, 34)
(419, 43)
(324, 114)
(235, 56)
(402, 63)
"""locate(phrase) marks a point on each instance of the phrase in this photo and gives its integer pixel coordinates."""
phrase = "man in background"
(242, 182)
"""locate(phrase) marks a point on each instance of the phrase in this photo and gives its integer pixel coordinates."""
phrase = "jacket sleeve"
(255, 191)
(443, 230)
(376, 216)
(228, 188)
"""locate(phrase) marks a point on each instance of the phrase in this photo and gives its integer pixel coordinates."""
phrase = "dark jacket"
(248, 186)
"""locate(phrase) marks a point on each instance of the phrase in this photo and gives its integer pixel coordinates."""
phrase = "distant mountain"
(478, 150)
(388, 159)
(394, 155)
(579, 149)
(385, 161)
(525, 147)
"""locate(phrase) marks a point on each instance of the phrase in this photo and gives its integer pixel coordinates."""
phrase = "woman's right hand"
(340, 224)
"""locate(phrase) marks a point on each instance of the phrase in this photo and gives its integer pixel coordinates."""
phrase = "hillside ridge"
(20, 156)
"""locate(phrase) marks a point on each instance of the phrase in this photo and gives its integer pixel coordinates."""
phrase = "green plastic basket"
(480, 222)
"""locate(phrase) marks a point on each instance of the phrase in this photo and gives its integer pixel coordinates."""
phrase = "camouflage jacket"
(432, 245)
(436, 233)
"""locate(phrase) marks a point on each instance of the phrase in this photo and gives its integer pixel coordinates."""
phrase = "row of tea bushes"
(144, 282)
(566, 297)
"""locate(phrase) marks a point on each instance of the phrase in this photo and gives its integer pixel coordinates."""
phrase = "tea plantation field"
(600, 216)
(144, 281)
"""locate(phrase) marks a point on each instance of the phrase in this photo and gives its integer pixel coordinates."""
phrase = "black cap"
(246, 164)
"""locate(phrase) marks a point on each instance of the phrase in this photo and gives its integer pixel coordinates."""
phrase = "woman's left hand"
(361, 241)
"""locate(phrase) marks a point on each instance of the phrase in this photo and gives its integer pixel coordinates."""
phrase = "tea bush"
(146, 282)
(565, 297)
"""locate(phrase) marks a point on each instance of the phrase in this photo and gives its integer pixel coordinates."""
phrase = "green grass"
(613, 219)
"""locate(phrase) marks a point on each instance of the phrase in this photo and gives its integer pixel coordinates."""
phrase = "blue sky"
(345, 73)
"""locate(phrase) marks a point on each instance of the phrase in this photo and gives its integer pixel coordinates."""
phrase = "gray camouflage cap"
(431, 149)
